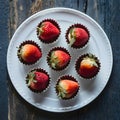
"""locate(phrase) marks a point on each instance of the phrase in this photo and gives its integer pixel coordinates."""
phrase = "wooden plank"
(19, 11)
(4, 15)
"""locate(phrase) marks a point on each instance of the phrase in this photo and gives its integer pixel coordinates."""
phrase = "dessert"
(77, 36)
(58, 58)
(29, 52)
(37, 80)
(67, 87)
(87, 66)
(48, 30)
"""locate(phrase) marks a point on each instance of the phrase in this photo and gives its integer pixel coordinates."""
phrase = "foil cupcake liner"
(43, 71)
(78, 25)
(69, 77)
(77, 64)
(49, 54)
(53, 22)
(19, 48)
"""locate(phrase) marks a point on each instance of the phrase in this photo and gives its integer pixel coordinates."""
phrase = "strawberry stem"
(40, 31)
(30, 78)
(54, 60)
(91, 59)
(71, 36)
(61, 92)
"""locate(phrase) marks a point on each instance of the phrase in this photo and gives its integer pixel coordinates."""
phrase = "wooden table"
(107, 104)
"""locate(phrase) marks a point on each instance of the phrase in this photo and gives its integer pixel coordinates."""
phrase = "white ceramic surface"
(98, 45)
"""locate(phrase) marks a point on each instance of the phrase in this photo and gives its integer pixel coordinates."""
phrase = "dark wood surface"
(4, 10)
(107, 104)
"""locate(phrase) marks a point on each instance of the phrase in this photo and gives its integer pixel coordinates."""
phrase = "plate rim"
(45, 11)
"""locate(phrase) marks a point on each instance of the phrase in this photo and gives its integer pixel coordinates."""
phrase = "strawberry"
(48, 31)
(59, 59)
(67, 88)
(78, 36)
(29, 53)
(37, 81)
(88, 67)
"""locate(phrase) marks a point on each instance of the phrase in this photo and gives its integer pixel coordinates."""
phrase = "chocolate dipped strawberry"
(77, 36)
(37, 80)
(48, 31)
(67, 87)
(88, 66)
(58, 58)
(29, 52)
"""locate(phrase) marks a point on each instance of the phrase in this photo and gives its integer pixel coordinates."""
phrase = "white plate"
(98, 45)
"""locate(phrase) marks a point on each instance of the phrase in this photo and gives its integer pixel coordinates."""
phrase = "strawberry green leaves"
(71, 36)
(30, 78)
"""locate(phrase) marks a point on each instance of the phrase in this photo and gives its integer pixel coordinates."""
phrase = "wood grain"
(104, 12)
(4, 16)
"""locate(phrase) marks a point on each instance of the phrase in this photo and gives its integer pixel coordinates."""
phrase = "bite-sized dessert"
(67, 87)
(87, 66)
(38, 80)
(58, 58)
(29, 52)
(77, 36)
(48, 30)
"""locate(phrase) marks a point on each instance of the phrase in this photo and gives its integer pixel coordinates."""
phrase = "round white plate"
(98, 45)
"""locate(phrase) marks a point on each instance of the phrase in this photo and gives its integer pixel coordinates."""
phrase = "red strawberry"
(67, 88)
(37, 80)
(59, 59)
(78, 36)
(30, 53)
(88, 67)
(48, 31)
